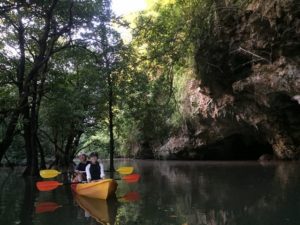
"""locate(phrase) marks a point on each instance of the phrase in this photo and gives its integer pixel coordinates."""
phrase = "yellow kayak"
(102, 211)
(102, 189)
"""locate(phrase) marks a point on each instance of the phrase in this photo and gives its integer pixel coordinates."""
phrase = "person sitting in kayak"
(80, 168)
(94, 170)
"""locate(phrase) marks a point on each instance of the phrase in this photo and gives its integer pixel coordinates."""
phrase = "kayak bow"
(102, 189)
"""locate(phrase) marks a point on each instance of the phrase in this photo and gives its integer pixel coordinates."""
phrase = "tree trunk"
(111, 125)
(71, 146)
(76, 144)
(42, 154)
(68, 148)
(9, 135)
(39, 89)
(30, 134)
(8, 138)
(31, 150)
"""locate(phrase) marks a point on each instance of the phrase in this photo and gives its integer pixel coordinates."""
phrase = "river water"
(169, 192)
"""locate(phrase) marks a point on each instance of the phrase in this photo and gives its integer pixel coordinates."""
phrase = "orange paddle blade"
(132, 196)
(43, 207)
(47, 185)
(131, 178)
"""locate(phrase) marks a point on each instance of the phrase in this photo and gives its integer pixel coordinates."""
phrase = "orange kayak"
(102, 211)
(102, 189)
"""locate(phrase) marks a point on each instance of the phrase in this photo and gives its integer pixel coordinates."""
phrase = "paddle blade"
(131, 178)
(43, 207)
(47, 185)
(131, 196)
(125, 170)
(49, 173)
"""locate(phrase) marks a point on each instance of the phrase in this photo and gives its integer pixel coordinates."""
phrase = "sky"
(124, 7)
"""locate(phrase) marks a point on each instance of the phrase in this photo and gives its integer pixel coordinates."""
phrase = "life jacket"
(81, 166)
(95, 171)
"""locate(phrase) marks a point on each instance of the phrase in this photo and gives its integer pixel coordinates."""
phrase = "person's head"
(94, 157)
(82, 158)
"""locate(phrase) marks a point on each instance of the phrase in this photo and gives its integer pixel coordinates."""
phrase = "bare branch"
(240, 49)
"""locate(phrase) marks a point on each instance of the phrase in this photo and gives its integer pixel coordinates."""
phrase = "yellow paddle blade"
(49, 173)
(125, 170)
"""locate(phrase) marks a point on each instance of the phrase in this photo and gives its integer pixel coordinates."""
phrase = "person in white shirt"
(94, 170)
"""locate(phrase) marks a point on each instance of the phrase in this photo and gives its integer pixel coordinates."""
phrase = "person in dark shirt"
(80, 174)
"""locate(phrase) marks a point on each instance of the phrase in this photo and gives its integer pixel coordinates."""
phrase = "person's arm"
(102, 174)
(88, 174)
(76, 168)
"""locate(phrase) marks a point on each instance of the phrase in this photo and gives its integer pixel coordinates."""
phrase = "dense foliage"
(57, 58)
(70, 84)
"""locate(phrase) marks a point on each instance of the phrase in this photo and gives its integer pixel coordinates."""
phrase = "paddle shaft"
(79, 182)
(70, 183)
(54, 173)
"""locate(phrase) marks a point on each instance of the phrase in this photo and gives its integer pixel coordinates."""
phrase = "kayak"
(103, 211)
(102, 189)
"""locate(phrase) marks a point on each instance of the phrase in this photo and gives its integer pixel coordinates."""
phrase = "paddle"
(51, 185)
(132, 178)
(125, 170)
(49, 173)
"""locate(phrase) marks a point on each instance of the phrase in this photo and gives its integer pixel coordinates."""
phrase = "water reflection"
(27, 207)
(102, 211)
(239, 193)
(183, 193)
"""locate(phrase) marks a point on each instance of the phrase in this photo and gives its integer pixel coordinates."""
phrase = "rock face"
(245, 101)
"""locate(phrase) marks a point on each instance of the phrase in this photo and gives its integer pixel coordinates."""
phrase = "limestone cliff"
(245, 101)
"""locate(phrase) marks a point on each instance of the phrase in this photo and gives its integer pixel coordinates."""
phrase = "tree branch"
(240, 49)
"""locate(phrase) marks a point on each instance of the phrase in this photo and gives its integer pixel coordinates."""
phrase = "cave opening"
(237, 147)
